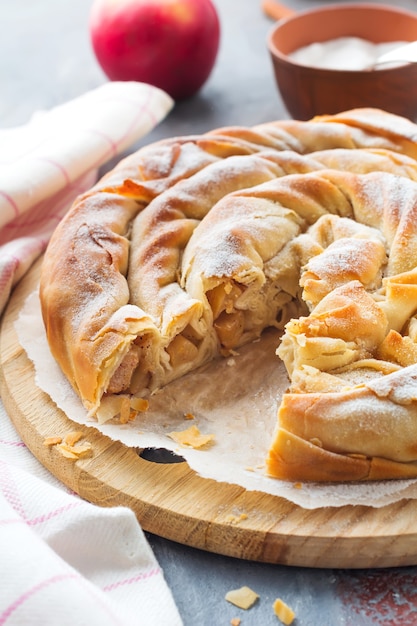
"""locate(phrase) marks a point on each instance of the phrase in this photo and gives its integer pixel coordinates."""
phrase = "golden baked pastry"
(192, 246)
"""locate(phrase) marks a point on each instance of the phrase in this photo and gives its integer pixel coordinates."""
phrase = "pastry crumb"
(251, 468)
(243, 598)
(139, 404)
(235, 621)
(75, 452)
(283, 612)
(189, 416)
(298, 485)
(122, 405)
(235, 519)
(52, 441)
(130, 407)
(68, 445)
(125, 409)
(73, 437)
(66, 451)
(191, 437)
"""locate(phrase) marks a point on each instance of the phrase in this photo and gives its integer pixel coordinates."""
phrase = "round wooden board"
(171, 501)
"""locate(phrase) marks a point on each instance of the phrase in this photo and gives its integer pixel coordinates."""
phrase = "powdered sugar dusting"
(343, 53)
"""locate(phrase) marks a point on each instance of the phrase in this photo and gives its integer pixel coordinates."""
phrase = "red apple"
(171, 44)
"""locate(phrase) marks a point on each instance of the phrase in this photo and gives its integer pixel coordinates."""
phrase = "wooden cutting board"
(171, 501)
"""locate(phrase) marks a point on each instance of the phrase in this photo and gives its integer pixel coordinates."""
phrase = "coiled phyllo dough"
(193, 246)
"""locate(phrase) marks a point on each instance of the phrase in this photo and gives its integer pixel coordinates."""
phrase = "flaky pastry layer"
(192, 246)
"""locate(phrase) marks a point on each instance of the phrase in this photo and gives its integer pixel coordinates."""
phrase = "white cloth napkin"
(47, 162)
(63, 560)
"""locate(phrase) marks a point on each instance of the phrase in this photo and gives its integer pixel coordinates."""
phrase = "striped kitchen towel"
(63, 560)
(47, 162)
(68, 562)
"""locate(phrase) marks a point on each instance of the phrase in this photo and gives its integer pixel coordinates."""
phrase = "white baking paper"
(234, 399)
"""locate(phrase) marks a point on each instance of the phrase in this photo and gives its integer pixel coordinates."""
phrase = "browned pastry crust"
(366, 432)
(194, 245)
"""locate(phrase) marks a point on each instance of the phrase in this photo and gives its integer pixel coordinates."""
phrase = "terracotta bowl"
(308, 91)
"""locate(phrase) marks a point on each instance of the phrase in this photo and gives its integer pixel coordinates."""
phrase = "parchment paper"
(234, 399)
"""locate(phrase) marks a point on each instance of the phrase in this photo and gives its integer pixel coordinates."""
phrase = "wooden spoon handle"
(275, 10)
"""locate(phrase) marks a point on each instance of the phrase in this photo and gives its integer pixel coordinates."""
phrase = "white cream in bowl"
(343, 53)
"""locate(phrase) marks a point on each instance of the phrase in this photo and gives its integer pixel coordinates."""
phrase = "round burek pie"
(193, 246)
